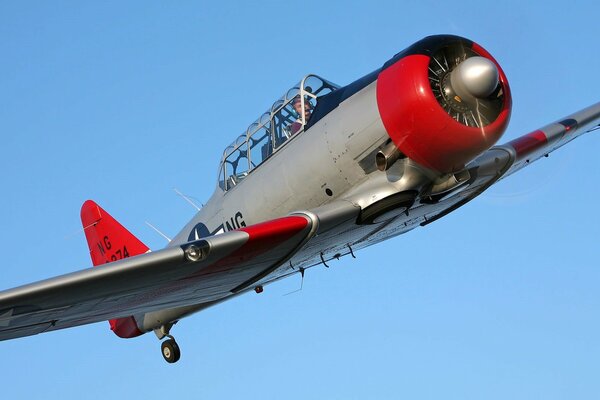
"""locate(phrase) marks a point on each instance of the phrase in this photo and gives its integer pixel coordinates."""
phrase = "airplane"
(326, 171)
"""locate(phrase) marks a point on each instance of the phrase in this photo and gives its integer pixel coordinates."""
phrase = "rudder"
(110, 241)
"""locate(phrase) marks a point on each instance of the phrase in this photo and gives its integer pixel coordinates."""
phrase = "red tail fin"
(107, 239)
(110, 241)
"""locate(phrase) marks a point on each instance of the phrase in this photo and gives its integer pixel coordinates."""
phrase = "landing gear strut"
(170, 350)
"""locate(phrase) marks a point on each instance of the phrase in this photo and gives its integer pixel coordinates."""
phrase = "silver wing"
(202, 271)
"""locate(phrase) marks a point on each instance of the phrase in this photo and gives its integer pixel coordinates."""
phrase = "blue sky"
(123, 101)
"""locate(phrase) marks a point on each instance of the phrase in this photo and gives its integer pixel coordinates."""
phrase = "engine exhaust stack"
(387, 156)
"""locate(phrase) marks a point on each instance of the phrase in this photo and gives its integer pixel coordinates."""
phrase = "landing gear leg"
(170, 350)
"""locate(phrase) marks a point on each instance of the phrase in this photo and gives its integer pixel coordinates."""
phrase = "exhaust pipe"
(387, 156)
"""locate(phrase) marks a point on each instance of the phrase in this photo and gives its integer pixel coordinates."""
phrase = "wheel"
(170, 351)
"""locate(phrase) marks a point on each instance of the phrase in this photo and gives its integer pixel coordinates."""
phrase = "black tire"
(170, 351)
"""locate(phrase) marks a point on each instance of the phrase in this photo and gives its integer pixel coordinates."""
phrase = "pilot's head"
(297, 103)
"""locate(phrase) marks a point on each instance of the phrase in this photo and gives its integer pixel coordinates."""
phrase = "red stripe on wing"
(529, 143)
(262, 238)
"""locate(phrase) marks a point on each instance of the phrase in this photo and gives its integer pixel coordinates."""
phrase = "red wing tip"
(90, 213)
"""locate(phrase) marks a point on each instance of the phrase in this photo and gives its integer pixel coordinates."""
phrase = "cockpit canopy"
(287, 117)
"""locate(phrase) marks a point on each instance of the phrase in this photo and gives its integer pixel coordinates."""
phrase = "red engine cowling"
(428, 117)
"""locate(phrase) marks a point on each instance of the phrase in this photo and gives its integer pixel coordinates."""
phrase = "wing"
(531, 147)
(201, 271)
(504, 160)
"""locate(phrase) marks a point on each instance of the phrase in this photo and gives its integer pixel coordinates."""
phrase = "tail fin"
(110, 241)
(107, 239)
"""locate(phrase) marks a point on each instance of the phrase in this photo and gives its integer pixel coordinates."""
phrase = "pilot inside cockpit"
(297, 104)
